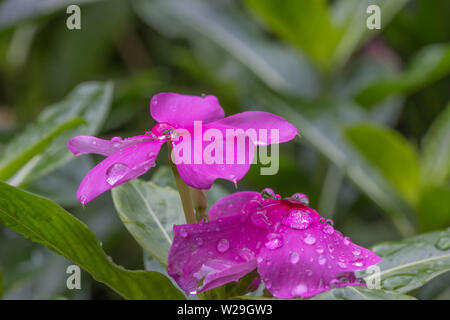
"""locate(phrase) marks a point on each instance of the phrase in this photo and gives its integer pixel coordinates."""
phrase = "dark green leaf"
(430, 64)
(45, 222)
(434, 208)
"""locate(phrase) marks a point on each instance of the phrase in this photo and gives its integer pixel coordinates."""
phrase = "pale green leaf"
(411, 263)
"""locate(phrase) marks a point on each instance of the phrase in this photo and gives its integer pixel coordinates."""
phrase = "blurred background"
(372, 107)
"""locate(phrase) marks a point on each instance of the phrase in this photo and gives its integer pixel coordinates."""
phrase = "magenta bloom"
(295, 251)
(178, 117)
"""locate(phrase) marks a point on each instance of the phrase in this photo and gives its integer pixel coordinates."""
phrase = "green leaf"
(1, 284)
(430, 64)
(305, 24)
(411, 263)
(325, 135)
(361, 293)
(436, 150)
(31, 142)
(434, 208)
(226, 27)
(90, 101)
(149, 212)
(391, 154)
(45, 222)
(350, 17)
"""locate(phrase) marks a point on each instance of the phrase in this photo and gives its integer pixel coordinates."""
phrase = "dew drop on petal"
(310, 239)
(300, 198)
(246, 254)
(319, 249)
(259, 259)
(294, 257)
(358, 263)
(267, 193)
(223, 245)
(343, 265)
(321, 260)
(268, 283)
(299, 289)
(183, 233)
(328, 229)
(116, 172)
(274, 241)
(356, 252)
(347, 241)
(297, 219)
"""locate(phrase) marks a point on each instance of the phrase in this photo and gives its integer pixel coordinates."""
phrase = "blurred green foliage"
(372, 107)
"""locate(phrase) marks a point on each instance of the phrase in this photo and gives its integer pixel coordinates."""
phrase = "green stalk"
(184, 191)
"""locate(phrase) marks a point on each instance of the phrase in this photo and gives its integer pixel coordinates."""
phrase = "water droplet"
(294, 257)
(330, 222)
(358, 263)
(268, 283)
(259, 259)
(223, 245)
(443, 243)
(203, 95)
(299, 289)
(267, 193)
(343, 265)
(246, 254)
(309, 272)
(183, 233)
(319, 249)
(83, 199)
(328, 229)
(297, 219)
(116, 172)
(356, 252)
(300, 198)
(274, 241)
(321, 260)
(347, 241)
(330, 247)
(310, 239)
(260, 219)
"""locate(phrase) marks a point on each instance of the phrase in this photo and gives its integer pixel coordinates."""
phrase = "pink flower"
(177, 115)
(295, 251)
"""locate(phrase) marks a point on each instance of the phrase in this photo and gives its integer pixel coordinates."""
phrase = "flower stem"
(183, 190)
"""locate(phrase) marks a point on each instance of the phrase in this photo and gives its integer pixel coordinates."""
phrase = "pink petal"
(306, 262)
(182, 110)
(233, 204)
(209, 254)
(118, 168)
(200, 174)
(87, 144)
(259, 120)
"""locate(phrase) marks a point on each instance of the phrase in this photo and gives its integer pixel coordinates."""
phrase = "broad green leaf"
(361, 293)
(430, 64)
(305, 24)
(42, 147)
(31, 142)
(436, 150)
(45, 222)
(149, 213)
(391, 154)
(411, 263)
(350, 17)
(89, 100)
(434, 207)
(225, 26)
